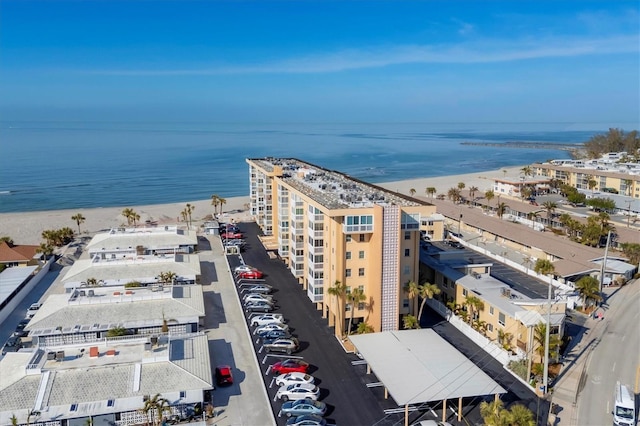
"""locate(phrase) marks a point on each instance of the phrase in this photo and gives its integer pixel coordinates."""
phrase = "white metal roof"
(418, 366)
(11, 278)
(151, 238)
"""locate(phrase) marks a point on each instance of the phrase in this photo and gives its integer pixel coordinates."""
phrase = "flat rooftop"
(331, 189)
(121, 371)
(11, 278)
(418, 366)
(151, 237)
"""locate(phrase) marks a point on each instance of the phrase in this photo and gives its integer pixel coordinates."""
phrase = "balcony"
(521, 345)
(315, 298)
(315, 250)
(357, 229)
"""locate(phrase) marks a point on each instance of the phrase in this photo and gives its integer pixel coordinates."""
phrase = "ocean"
(52, 166)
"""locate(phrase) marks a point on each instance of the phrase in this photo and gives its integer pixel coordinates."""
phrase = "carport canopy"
(418, 366)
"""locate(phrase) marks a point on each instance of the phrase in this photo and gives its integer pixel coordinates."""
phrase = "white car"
(257, 298)
(294, 379)
(244, 268)
(265, 319)
(33, 309)
(299, 391)
(258, 288)
(271, 327)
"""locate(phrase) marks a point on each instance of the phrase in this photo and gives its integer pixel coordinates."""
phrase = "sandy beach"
(27, 227)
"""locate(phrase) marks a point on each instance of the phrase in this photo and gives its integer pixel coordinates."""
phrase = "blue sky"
(321, 61)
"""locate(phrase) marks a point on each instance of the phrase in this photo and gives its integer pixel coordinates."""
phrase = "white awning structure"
(418, 366)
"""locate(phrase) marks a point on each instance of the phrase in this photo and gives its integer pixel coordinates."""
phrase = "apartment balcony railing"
(315, 298)
(357, 229)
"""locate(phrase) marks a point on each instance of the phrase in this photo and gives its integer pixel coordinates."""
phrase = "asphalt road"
(615, 356)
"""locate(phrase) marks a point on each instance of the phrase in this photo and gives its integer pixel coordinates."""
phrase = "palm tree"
(364, 328)
(46, 249)
(539, 336)
(339, 290)
(628, 183)
(545, 267)
(472, 192)
(128, 213)
(501, 209)
(158, 404)
(504, 339)
(519, 415)
(454, 194)
(189, 209)
(527, 171)
(461, 186)
(475, 305)
(215, 202)
(167, 277)
(355, 297)
(489, 195)
(413, 290)
(427, 291)
(493, 413)
(165, 323)
(222, 202)
(589, 289)
(32, 413)
(550, 207)
(412, 191)
(14, 420)
(410, 322)
(431, 191)
(79, 219)
(592, 184)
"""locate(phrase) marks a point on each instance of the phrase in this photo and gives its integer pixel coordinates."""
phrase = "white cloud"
(478, 51)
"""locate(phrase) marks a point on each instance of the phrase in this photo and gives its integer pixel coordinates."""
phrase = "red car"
(290, 366)
(232, 235)
(250, 275)
(223, 375)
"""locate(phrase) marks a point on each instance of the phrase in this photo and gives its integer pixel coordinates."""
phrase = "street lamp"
(459, 222)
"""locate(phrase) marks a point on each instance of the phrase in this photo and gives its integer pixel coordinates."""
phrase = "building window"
(361, 272)
(491, 310)
(405, 303)
(407, 235)
(407, 252)
(183, 394)
(347, 273)
(348, 255)
(490, 328)
(348, 238)
(362, 236)
(464, 292)
(501, 319)
(361, 254)
(406, 270)
(111, 402)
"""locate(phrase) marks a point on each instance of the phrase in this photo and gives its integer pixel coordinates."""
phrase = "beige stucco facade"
(624, 183)
(328, 228)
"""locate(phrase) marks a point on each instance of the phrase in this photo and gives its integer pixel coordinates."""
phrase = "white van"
(624, 406)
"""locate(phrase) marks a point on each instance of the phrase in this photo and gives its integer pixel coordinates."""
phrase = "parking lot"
(342, 385)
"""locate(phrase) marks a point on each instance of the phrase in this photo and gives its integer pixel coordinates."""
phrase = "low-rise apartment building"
(505, 314)
(330, 228)
(168, 239)
(106, 382)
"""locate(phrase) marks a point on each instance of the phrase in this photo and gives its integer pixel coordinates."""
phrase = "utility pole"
(604, 261)
(628, 211)
(545, 377)
(459, 221)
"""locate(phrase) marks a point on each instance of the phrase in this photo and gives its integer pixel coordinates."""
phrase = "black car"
(14, 344)
(273, 334)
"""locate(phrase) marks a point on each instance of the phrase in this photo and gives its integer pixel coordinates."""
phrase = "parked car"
(299, 391)
(33, 309)
(258, 288)
(271, 327)
(431, 423)
(257, 297)
(250, 275)
(265, 319)
(224, 376)
(287, 345)
(290, 366)
(294, 378)
(303, 407)
(270, 335)
(243, 268)
(307, 420)
(20, 328)
(13, 344)
(258, 307)
(231, 235)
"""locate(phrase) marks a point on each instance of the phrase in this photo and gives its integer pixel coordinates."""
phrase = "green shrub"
(133, 284)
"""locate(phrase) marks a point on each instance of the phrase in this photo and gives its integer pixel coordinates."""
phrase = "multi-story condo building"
(333, 230)
(616, 179)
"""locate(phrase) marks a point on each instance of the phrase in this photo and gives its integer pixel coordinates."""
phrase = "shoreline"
(27, 227)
